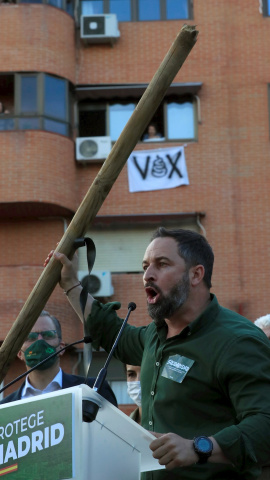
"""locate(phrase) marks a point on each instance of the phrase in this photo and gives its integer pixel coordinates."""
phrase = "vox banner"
(36, 439)
(157, 169)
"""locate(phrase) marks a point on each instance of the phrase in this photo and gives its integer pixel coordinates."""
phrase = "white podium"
(45, 438)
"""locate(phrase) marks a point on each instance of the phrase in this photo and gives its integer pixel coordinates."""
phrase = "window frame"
(265, 8)
(161, 112)
(39, 115)
(134, 9)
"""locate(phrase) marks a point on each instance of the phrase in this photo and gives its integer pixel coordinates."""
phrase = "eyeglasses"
(46, 335)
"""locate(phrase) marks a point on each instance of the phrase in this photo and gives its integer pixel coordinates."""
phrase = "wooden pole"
(98, 191)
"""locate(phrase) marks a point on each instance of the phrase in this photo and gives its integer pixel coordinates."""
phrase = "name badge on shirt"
(177, 367)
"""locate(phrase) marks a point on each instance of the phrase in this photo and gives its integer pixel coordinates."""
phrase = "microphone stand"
(90, 408)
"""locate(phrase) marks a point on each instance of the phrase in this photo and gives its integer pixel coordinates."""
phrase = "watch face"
(204, 444)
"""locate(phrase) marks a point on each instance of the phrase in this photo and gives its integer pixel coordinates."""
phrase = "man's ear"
(197, 275)
(61, 345)
(20, 355)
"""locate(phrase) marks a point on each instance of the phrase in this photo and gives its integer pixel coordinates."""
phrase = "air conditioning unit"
(99, 282)
(91, 149)
(99, 28)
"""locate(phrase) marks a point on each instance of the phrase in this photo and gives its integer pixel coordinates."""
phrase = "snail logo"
(159, 168)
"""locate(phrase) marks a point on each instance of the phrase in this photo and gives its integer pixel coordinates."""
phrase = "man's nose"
(149, 273)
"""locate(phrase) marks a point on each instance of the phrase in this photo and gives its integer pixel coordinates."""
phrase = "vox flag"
(157, 169)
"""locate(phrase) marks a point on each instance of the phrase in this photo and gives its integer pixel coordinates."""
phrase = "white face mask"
(134, 391)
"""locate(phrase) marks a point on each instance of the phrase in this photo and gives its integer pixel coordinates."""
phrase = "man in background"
(45, 339)
(134, 390)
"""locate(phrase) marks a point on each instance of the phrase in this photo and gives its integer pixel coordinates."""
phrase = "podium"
(46, 438)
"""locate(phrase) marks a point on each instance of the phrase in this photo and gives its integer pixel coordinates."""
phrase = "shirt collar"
(207, 316)
(56, 384)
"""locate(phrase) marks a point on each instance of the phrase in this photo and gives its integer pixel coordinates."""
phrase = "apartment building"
(71, 75)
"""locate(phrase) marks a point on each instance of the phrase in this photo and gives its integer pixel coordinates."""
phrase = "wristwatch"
(203, 446)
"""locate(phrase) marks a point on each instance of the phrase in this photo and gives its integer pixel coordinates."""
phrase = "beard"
(167, 305)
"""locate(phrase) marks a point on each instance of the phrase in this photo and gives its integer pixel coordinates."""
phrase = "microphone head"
(132, 306)
(87, 339)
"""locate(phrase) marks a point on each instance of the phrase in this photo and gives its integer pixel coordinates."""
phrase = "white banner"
(157, 169)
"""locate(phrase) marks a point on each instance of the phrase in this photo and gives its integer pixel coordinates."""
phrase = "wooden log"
(98, 191)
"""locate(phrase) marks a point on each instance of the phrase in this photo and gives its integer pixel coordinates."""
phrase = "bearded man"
(205, 370)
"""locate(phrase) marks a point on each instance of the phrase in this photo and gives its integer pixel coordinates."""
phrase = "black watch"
(203, 446)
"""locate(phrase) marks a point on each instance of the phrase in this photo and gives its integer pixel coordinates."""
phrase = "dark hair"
(193, 248)
(56, 322)
(152, 124)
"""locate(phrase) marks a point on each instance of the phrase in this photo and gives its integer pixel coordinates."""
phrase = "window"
(175, 119)
(139, 10)
(180, 119)
(7, 102)
(104, 119)
(120, 250)
(36, 101)
(266, 8)
(55, 101)
(122, 240)
(67, 5)
(28, 97)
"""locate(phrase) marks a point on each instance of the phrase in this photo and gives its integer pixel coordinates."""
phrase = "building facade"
(71, 74)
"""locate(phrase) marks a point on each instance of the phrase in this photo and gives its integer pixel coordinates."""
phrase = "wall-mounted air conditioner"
(92, 149)
(99, 28)
(99, 282)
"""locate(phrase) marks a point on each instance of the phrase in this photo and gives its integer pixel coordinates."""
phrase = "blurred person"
(152, 132)
(134, 390)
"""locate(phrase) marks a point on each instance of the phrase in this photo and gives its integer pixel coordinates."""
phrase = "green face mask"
(37, 352)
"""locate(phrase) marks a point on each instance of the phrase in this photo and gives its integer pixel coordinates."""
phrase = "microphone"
(90, 408)
(87, 339)
(132, 306)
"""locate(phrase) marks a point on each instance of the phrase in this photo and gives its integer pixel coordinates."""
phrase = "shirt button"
(150, 423)
(189, 333)
(157, 364)
(152, 393)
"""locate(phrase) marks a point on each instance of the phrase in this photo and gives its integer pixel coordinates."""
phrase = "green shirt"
(211, 379)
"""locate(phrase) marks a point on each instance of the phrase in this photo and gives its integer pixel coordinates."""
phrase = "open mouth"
(152, 295)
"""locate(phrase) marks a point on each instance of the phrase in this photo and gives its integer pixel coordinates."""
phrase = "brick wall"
(228, 167)
(38, 167)
(37, 38)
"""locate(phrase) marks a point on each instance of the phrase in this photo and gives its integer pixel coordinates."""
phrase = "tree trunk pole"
(98, 191)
